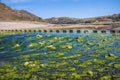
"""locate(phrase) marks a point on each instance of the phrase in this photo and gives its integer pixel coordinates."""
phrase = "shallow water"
(7, 42)
(49, 55)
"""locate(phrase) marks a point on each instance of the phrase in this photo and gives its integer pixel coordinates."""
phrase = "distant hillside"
(8, 14)
(67, 20)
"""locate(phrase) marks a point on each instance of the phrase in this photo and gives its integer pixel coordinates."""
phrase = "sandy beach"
(43, 25)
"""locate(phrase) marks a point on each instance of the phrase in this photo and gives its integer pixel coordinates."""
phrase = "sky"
(66, 8)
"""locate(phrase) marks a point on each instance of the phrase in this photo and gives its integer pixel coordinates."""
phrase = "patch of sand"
(42, 25)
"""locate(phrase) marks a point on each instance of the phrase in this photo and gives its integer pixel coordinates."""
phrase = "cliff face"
(8, 14)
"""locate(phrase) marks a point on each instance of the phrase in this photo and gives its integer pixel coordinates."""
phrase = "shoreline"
(27, 25)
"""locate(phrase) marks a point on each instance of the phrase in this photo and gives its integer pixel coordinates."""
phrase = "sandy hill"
(8, 14)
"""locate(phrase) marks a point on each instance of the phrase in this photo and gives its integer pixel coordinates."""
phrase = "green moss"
(90, 73)
(75, 76)
(106, 78)
(39, 36)
(51, 47)
(79, 39)
(31, 45)
(111, 57)
(59, 54)
(98, 61)
(53, 57)
(117, 66)
(67, 46)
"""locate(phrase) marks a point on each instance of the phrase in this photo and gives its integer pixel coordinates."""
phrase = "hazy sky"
(68, 8)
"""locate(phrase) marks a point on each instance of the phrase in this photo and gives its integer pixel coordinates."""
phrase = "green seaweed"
(36, 56)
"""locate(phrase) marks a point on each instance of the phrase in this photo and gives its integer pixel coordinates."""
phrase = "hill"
(68, 20)
(8, 14)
